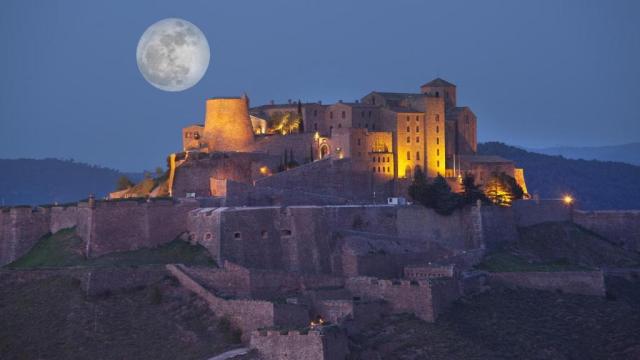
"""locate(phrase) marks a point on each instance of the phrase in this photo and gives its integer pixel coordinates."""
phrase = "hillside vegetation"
(64, 249)
(34, 182)
(595, 184)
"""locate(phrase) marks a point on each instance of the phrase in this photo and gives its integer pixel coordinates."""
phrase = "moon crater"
(173, 54)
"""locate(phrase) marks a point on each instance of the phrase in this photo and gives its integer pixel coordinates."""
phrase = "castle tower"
(227, 124)
(436, 140)
(441, 88)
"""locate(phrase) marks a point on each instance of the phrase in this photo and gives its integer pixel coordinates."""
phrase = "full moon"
(173, 54)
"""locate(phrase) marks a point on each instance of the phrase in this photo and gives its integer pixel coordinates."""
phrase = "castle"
(374, 145)
(292, 215)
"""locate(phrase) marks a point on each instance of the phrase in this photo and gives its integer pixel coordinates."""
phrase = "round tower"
(227, 125)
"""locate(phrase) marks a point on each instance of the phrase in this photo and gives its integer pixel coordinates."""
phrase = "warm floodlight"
(567, 199)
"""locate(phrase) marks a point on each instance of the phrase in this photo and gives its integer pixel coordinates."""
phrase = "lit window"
(408, 155)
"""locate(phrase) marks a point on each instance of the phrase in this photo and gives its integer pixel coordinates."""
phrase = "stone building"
(386, 136)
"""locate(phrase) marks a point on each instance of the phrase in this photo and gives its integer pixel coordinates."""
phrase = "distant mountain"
(595, 184)
(628, 153)
(33, 182)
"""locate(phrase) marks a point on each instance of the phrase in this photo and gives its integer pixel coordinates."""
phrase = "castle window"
(384, 159)
(438, 163)
(408, 118)
(437, 152)
(264, 234)
(437, 117)
(285, 232)
(196, 136)
(417, 128)
(437, 129)
(437, 140)
(344, 114)
(437, 94)
(408, 139)
(418, 155)
(373, 169)
(358, 142)
(408, 129)
(378, 168)
(373, 100)
(315, 112)
(369, 113)
(408, 155)
(236, 235)
(208, 236)
(388, 169)
(417, 117)
(339, 126)
(330, 114)
(417, 139)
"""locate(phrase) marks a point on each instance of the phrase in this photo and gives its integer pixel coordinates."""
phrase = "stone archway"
(324, 150)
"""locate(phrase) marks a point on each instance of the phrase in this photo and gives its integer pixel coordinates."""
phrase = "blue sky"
(537, 73)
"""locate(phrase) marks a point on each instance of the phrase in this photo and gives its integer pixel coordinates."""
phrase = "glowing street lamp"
(567, 199)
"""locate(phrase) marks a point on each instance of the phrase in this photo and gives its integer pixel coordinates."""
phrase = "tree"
(436, 195)
(124, 183)
(284, 123)
(502, 189)
(471, 192)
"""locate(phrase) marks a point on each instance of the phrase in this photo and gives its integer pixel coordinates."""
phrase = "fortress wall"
(63, 217)
(302, 145)
(312, 345)
(232, 279)
(498, 225)
(131, 225)
(328, 177)
(455, 231)
(203, 225)
(531, 212)
(21, 228)
(620, 227)
(380, 219)
(572, 282)
(97, 281)
(245, 315)
(403, 295)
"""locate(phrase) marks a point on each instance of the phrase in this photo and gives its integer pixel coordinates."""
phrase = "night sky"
(536, 73)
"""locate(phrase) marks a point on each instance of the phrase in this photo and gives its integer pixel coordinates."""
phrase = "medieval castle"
(295, 213)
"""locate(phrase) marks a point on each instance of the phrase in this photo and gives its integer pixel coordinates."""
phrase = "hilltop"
(45, 181)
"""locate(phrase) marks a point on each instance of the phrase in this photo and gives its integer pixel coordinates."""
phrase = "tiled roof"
(438, 82)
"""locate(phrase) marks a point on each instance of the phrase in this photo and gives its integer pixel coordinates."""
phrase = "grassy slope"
(52, 319)
(513, 324)
(64, 249)
(557, 247)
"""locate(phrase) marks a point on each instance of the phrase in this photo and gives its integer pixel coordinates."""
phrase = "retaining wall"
(620, 227)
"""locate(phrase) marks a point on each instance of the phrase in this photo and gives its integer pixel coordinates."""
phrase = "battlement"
(323, 343)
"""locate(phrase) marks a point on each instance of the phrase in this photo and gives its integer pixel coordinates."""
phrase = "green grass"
(506, 262)
(64, 249)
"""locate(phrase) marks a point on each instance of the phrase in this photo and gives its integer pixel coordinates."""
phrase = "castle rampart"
(620, 227)
(327, 343)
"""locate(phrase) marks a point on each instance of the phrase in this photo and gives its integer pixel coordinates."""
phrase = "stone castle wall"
(572, 282)
(245, 315)
(20, 229)
(620, 227)
(131, 225)
(312, 345)
(532, 212)
(425, 299)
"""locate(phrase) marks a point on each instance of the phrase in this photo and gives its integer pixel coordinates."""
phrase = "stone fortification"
(425, 299)
(20, 229)
(227, 124)
(619, 227)
(245, 315)
(571, 282)
(326, 343)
